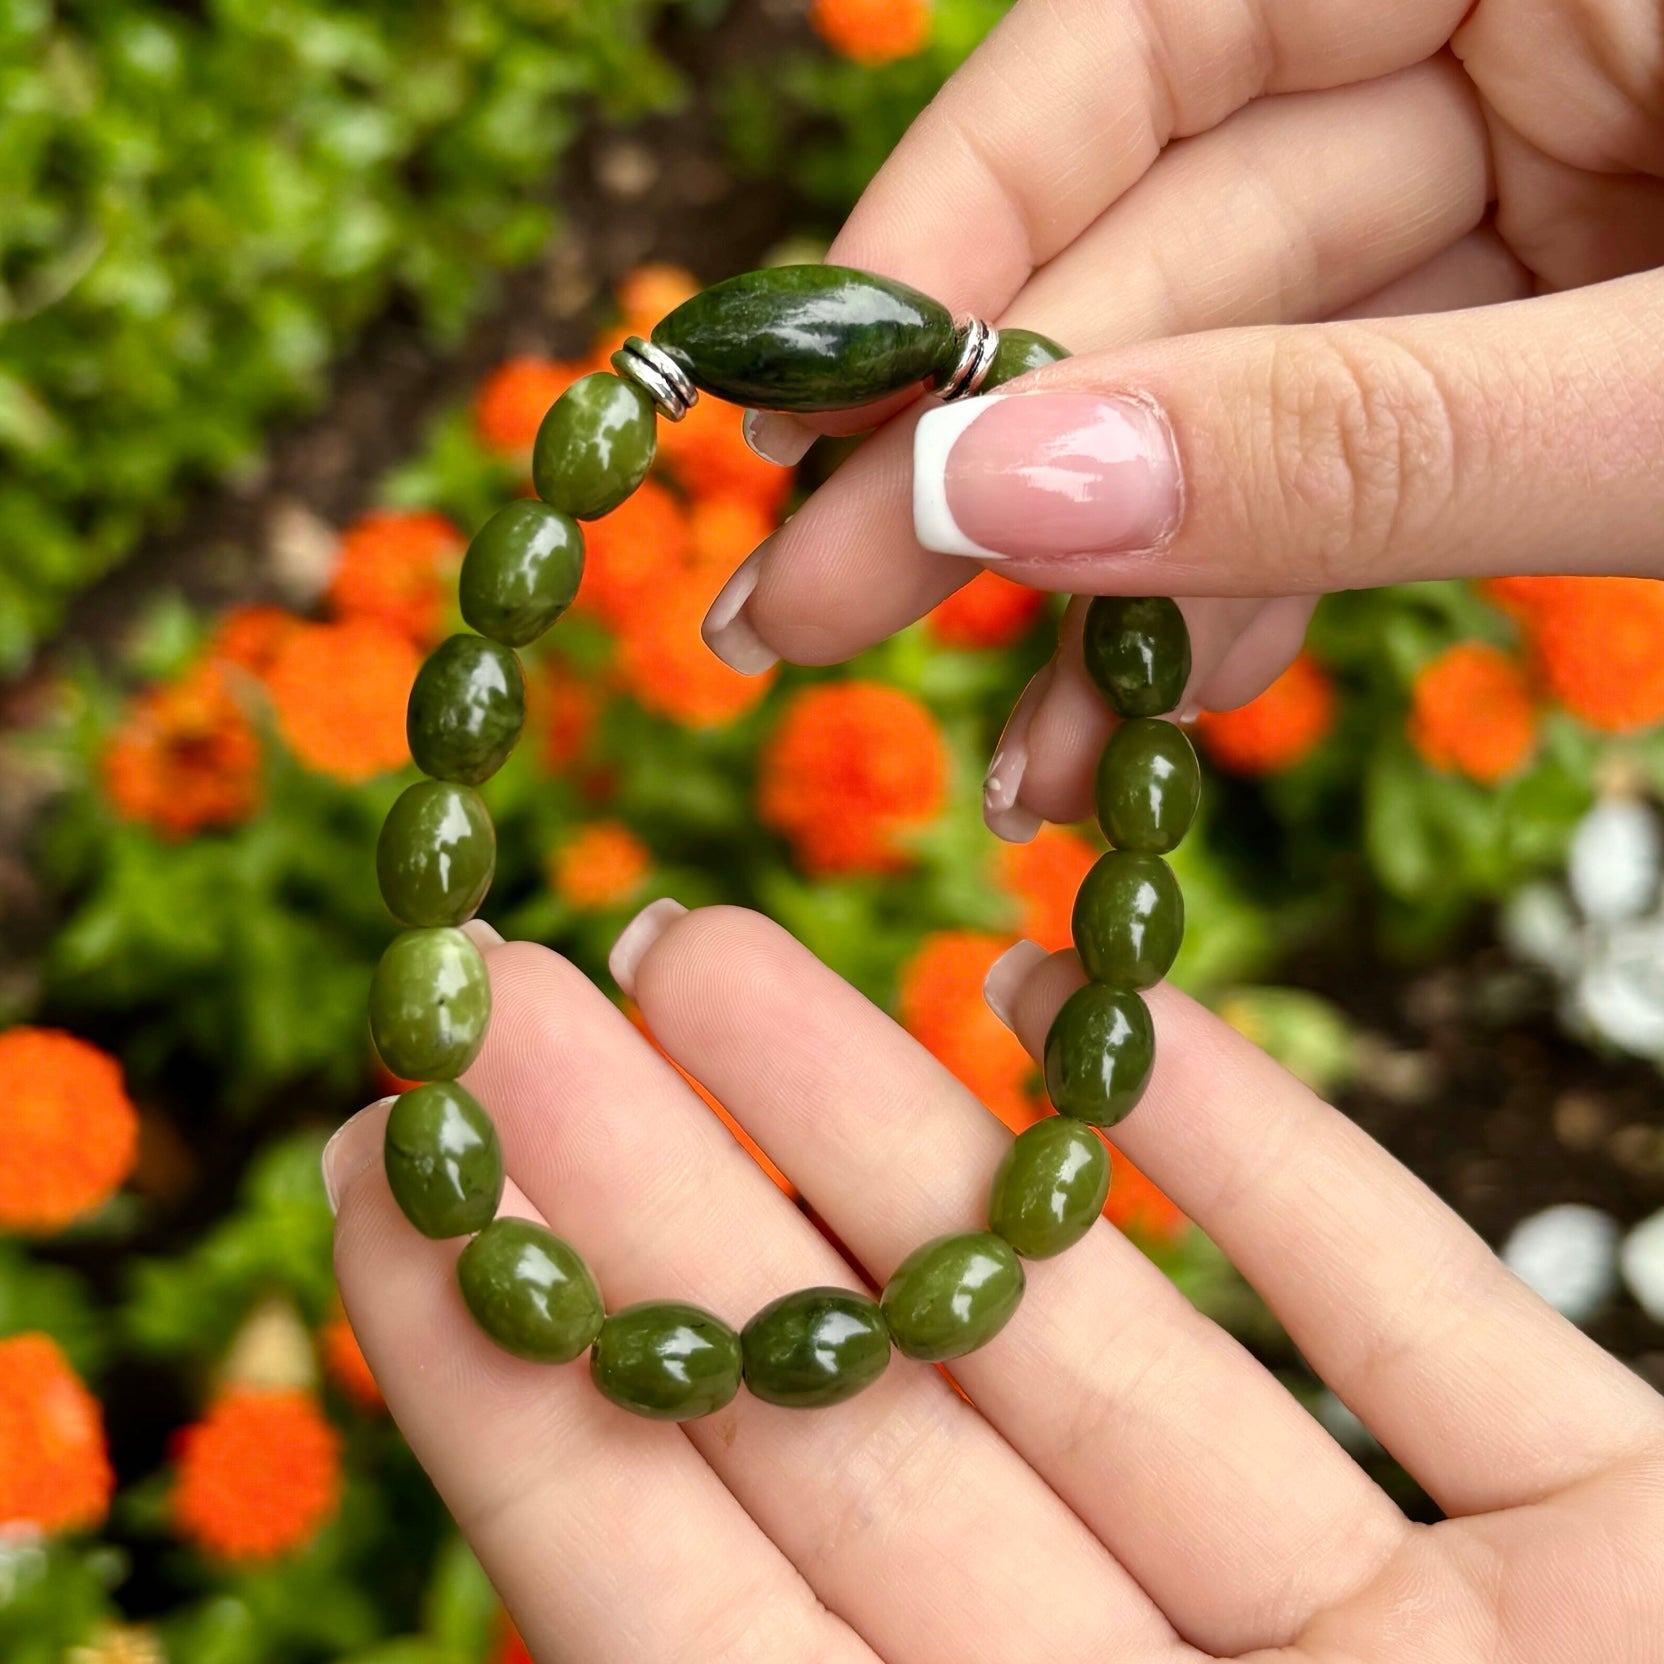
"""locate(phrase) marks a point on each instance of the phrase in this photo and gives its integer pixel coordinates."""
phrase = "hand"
(1131, 1485)
(1115, 175)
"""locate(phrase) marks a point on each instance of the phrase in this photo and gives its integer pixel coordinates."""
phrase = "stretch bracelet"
(802, 339)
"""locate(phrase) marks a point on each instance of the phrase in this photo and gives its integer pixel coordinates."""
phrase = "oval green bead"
(594, 446)
(814, 1347)
(809, 338)
(1148, 786)
(1099, 1053)
(530, 1291)
(1050, 1187)
(521, 572)
(444, 1160)
(1137, 651)
(430, 999)
(436, 854)
(952, 1295)
(1128, 920)
(666, 1360)
(1018, 352)
(467, 707)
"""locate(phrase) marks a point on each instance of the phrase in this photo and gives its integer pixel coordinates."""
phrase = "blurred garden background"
(285, 288)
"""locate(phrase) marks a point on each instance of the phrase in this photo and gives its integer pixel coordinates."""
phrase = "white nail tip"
(638, 936)
(934, 437)
(1014, 825)
(1007, 975)
(728, 632)
(776, 438)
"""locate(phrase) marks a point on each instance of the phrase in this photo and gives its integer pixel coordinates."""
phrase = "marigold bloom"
(1472, 712)
(872, 32)
(666, 667)
(989, 611)
(940, 1004)
(1523, 598)
(1043, 875)
(54, 1467)
(393, 568)
(722, 531)
(650, 291)
(1277, 730)
(1600, 650)
(606, 863)
(249, 637)
(851, 769)
(1138, 1207)
(707, 453)
(69, 1129)
(563, 709)
(515, 397)
(630, 554)
(258, 1475)
(339, 691)
(185, 757)
(511, 1649)
(346, 1364)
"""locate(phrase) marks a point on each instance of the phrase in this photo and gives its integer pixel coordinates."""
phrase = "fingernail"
(351, 1148)
(777, 437)
(728, 632)
(1002, 814)
(1007, 975)
(1033, 475)
(485, 935)
(637, 937)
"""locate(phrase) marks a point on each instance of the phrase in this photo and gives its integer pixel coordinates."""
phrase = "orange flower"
(564, 709)
(340, 691)
(941, 1005)
(249, 637)
(668, 669)
(1600, 650)
(707, 453)
(54, 1468)
(1472, 712)
(392, 568)
(722, 530)
(990, 611)
(258, 1475)
(1043, 875)
(514, 398)
(1279, 729)
(185, 757)
(348, 1369)
(872, 32)
(1137, 1207)
(605, 864)
(1523, 598)
(69, 1129)
(511, 1649)
(629, 554)
(649, 292)
(851, 769)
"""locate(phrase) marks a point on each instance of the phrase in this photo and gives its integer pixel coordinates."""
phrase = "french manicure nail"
(1007, 975)
(1038, 475)
(728, 632)
(484, 933)
(637, 937)
(1002, 814)
(351, 1148)
(777, 437)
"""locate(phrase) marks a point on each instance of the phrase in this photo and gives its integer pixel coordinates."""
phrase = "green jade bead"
(436, 854)
(530, 1291)
(1099, 1053)
(1128, 920)
(1148, 786)
(952, 1295)
(1018, 352)
(443, 1159)
(467, 707)
(521, 572)
(594, 446)
(1137, 651)
(815, 1347)
(808, 338)
(1050, 1187)
(666, 1360)
(430, 999)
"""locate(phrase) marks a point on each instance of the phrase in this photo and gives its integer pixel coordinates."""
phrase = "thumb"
(1511, 439)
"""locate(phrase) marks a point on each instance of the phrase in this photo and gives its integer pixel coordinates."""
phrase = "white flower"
(1568, 1254)
(1613, 862)
(1642, 1262)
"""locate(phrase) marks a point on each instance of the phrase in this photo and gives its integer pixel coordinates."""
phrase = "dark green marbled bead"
(666, 1360)
(809, 338)
(521, 572)
(530, 1291)
(430, 1000)
(1128, 920)
(594, 446)
(1050, 1187)
(1019, 351)
(467, 706)
(436, 853)
(952, 1295)
(815, 1346)
(1148, 786)
(1137, 650)
(1099, 1053)
(443, 1158)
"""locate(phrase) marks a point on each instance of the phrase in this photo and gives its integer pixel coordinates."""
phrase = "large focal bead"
(666, 1360)
(1099, 1053)
(521, 572)
(530, 1291)
(430, 1000)
(1128, 919)
(809, 338)
(1137, 650)
(444, 1160)
(594, 446)
(815, 1346)
(1050, 1187)
(952, 1295)
(467, 706)
(1148, 786)
(436, 854)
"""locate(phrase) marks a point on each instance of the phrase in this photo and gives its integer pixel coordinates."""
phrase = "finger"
(1476, 270)
(1487, 1396)
(1107, 1380)
(604, 1548)
(907, 1514)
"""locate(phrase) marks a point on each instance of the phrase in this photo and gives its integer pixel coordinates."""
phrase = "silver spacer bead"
(658, 374)
(978, 342)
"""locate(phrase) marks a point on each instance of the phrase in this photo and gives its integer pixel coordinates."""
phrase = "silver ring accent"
(658, 374)
(978, 342)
